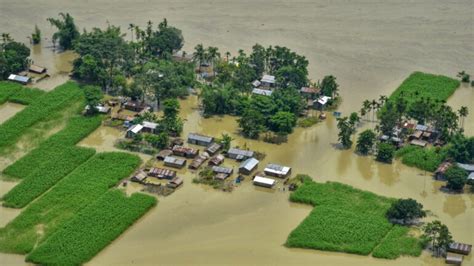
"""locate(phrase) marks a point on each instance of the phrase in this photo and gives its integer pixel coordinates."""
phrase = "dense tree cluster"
(405, 211)
(13, 56)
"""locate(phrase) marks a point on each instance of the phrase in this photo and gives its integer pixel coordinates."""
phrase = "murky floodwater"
(370, 46)
(8, 110)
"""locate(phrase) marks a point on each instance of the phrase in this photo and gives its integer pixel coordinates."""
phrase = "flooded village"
(230, 205)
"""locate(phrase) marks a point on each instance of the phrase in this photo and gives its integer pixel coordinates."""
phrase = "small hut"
(263, 181)
(139, 177)
(452, 258)
(133, 131)
(213, 148)
(442, 168)
(185, 151)
(37, 69)
(198, 161)
(460, 248)
(20, 79)
(162, 173)
(267, 81)
(150, 127)
(134, 106)
(175, 182)
(247, 166)
(163, 154)
(222, 170)
(262, 92)
(216, 160)
(174, 162)
(239, 154)
(198, 139)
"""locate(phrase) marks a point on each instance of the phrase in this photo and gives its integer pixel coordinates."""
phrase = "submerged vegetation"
(349, 220)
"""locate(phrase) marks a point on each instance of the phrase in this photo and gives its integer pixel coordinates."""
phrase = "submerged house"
(20, 79)
(139, 177)
(277, 170)
(321, 102)
(133, 131)
(460, 248)
(216, 160)
(454, 259)
(198, 161)
(174, 162)
(263, 181)
(222, 170)
(37, 69)
(198, 139)
(248, 166)
(185, 151)
(162, 173)
(163, 154)
(213, 148)
(175, 182)
(239, 154)
(442, 168)
(135, 106)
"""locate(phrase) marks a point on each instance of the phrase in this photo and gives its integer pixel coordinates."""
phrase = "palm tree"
(373, 105)
(382, 99)
(131, 27)
(213, 55)
(366, 105)
(6, 37)
(463, 112)
(199, 54)
(227, 55)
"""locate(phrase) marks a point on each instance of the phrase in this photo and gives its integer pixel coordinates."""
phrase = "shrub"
(26, 95)
(84, 185)
(80, 239)
(385, 152)
(427, 159)
(405, 210)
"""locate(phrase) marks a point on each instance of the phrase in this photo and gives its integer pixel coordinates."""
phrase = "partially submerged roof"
(37, 69)
(150, 125)
(443, 167)
(323, 100)
(199, 137)
(264, 180)
(262, 92)
(236, 151)
(417, 142)
(277, 169)
(220, 169)
(174, 160)
(249, 164)
(18, 78)
(460, 248)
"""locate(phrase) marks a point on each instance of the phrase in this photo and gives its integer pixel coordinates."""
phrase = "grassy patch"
(39, 110)
(7, 89)
(425, 85)
(80, 239)
(396, 243)
(344, 219)
(81, 187)
(308, 121)
(26, 95)
(427, 159)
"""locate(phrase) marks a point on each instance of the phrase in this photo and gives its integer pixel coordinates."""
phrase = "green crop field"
(26, 95)
(427, 159)
(80, 239)
(81, 187)
(425, 85)
(7, 89)
(49, 151)
(39, 110)
(344, 219)
(397, 243)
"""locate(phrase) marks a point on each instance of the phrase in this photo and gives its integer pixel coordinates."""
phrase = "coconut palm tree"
(199, 54)
(213, 55)
(373, 106)
(383, 99)
(6, 37)
(366, 105)
(227, 55)
(463, 112)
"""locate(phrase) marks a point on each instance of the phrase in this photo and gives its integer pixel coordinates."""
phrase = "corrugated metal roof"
(262, 92)
(249, 164)
(174, 160)
(245, 153)
(467, 167)
(277, 169)
(220, 169)
(18, 78)
(199, 137)
(148, 124)
(136, 128)
(264, 180)
(268, 79)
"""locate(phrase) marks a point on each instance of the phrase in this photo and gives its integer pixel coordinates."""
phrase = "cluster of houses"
(413, 134)
(456, 252)
(177, 157)
(23, 77)
(312, 96)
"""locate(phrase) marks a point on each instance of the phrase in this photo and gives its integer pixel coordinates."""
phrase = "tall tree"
(199, 55)
(405, 211)
(438, 235)
(346, 129)
(13, 57)
(365, 142)
(67, 31)
(329, 86)
(463, 112)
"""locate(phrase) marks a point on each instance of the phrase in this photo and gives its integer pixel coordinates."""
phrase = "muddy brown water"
(371, 46)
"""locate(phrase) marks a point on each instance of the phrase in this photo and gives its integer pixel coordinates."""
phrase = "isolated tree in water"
(437, 235)
(67, 31)
(405, 210)
(365, 142)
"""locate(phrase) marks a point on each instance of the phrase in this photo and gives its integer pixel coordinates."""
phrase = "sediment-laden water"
(369, 46)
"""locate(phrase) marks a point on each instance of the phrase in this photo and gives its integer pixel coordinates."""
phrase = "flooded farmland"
(369, 46)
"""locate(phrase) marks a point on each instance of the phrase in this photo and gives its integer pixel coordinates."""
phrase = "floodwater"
(7, 110)
(370, 46)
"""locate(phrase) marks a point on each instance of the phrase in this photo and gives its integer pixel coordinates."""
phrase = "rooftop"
(268, 79)
(262, 92)
(199, 137)
(249, 164)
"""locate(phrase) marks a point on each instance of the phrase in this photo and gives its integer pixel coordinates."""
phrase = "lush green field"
(80, 239)
(50, 150)
(427, 159)
(344, 219)
(39, 110)
(26, 95)
(80, 188)
(397, 243)
(425, 85)
(7, 89)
